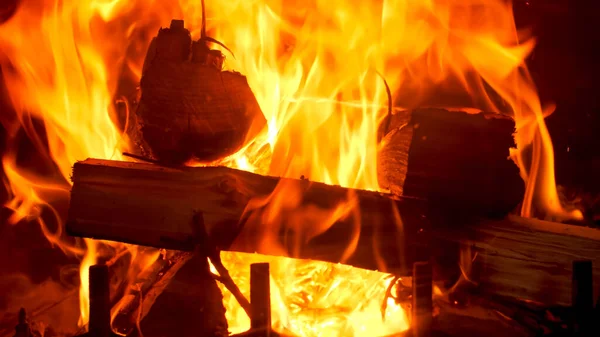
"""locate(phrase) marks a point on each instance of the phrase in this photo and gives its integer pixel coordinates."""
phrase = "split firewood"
(192, 307)
(189, 107)
(144, 291)
(151, 205)
(451, 158)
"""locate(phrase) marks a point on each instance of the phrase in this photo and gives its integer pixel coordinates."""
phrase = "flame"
(313, 66)
(312, 298)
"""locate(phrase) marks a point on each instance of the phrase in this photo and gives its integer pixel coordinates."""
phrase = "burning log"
(524, 258)
(189, 106)
(150, 205)
(451, 158)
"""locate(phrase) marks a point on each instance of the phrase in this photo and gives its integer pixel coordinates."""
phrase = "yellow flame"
(313, 67)
(312, 298)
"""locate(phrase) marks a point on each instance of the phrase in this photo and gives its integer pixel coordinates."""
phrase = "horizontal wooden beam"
(150, 205)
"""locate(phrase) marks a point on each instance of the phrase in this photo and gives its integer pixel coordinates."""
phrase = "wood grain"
(190, 108)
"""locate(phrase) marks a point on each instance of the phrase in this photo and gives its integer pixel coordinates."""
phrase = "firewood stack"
(431, 161)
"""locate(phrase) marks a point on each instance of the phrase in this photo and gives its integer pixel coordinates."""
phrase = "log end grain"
(189, 107)
(452, 158)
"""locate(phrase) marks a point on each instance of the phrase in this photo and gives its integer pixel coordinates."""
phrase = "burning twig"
(402, 294)
(142, 158)
(208, 249)
(205, 38)
(388, 119)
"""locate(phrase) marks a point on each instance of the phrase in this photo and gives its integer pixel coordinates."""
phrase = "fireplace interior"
(280, 168)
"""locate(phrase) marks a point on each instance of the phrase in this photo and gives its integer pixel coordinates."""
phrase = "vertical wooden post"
(260, 298)
(99, 301)
(22, 328)
(422, 302)
(583, 296)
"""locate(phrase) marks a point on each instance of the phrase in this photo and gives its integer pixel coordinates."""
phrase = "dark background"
(565, 67)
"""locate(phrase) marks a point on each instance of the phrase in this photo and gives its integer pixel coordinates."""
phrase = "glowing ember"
(312, 298)
(313, 67)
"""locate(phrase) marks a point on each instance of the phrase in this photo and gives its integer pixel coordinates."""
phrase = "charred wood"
(523, 258)
(451, 158)
(142, 294)
(151, 205)
(189, 107)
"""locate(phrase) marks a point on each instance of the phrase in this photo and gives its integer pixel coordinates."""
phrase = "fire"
(313, 66)
(302, 305)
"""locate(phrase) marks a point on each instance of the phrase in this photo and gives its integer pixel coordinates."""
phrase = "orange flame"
(313, 67)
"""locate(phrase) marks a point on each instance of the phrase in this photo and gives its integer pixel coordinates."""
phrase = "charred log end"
(173, 43)
(452, 159)
(188, 106)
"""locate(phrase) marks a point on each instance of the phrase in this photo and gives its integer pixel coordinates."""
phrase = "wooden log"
(150, 205)
(524, 258)
(422, 299)
(189, 106)
(149, 284)
(452, 158)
